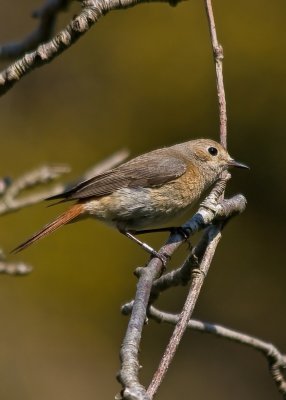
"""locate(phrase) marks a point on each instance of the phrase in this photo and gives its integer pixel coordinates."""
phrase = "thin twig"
(47, 15)
(9, 200)
(9, 197)
(218, 57)
(276, 360)
(92, 11)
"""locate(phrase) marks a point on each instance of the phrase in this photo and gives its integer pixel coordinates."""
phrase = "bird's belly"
(137, 208)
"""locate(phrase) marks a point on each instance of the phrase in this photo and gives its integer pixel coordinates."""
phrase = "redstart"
(145, 192)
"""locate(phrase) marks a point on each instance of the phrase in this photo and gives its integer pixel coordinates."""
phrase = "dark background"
(140, 79)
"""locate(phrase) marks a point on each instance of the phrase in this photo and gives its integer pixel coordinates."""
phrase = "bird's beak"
(233, 163)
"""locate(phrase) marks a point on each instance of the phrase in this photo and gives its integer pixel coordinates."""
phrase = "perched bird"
(145, 192)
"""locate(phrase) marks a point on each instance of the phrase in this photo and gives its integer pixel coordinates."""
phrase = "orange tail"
(63, 219)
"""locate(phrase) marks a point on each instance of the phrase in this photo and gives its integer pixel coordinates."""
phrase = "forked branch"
(128, 375)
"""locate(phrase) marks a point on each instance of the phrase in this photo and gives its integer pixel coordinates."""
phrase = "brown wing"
(151, 169)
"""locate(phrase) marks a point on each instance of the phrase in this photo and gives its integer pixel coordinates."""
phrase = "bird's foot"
(163, 257)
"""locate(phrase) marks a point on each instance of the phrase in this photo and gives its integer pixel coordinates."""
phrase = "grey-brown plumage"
(146, 191)
(147, 170)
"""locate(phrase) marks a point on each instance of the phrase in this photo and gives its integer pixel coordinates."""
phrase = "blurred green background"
(140, 79)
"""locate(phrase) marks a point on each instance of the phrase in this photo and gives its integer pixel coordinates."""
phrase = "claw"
(163, 257)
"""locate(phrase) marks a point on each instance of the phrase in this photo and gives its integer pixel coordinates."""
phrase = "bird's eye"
(212, 151)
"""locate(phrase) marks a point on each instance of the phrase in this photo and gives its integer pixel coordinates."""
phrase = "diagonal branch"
(198, 276)
(276, 360)
(92, 11)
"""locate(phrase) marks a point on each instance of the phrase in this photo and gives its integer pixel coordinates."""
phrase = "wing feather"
(148, 170)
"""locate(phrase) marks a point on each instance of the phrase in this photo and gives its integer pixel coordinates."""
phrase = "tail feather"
(61, 220)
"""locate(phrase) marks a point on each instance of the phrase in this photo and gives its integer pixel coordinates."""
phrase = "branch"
(128, 375)
(47, 15)
(198, 276)
(129, 354)
(9, 200)
(92, 11)
(182, 275)
(276, 360)
(218, 57)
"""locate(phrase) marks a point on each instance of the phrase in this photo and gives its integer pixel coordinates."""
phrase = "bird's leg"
(145, 246)
(172, 229)
(185, 233)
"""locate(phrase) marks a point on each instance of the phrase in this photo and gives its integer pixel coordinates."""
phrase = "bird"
(147, 191)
